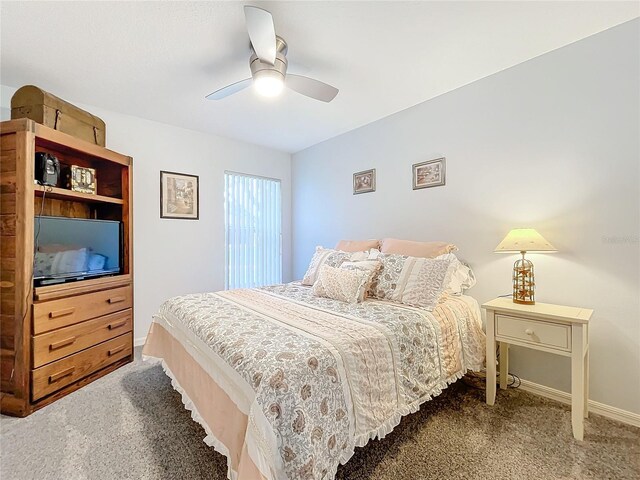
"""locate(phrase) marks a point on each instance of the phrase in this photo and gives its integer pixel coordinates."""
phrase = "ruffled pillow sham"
(418, 282)
(459, 278)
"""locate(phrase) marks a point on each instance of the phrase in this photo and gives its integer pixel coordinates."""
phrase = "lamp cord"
(514, 381)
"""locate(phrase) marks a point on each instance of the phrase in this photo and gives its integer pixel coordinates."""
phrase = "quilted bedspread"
(319, 377)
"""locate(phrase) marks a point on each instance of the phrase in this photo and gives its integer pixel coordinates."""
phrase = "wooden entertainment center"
(57, 338)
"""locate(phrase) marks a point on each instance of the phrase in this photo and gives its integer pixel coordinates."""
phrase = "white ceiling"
(157, 60)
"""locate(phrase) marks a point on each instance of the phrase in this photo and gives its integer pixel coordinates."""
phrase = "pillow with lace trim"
(343, 284)
(371, 266)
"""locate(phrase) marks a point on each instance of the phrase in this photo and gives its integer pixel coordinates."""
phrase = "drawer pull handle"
(528, 331)
(62, 313)
(57, 376)
(62, 343)
(113, 326)
(116, 299)
(116, 350)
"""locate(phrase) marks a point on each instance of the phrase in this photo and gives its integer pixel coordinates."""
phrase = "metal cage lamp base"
(523, 282)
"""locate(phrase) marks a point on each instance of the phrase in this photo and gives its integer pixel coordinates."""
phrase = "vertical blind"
(253, 231)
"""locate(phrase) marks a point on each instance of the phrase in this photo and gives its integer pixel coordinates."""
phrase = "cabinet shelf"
(64, 194)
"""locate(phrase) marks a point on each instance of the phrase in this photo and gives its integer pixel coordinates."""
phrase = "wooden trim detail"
(64, 194)
(68, 142)
(53, 292)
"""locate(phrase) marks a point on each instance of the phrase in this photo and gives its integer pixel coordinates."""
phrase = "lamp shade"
(524, 240)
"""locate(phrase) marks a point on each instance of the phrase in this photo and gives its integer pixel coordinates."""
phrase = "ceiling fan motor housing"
(280, 65)
(268, 64)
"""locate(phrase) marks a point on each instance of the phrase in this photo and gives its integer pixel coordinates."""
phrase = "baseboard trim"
(598, 408)
(138, 342)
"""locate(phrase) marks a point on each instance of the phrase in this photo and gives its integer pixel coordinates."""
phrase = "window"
(253, 231)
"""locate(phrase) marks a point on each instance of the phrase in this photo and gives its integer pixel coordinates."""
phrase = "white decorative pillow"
(360, 256)
(460, 277)
(371, 266)
(326, 256)
(70, 261)
(411, 280)
(345, 285)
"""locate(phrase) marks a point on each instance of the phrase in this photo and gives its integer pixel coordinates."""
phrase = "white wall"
(553, 144)
(172, 257)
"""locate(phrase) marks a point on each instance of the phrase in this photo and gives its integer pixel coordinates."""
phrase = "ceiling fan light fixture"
(268, 83)
(268, 64)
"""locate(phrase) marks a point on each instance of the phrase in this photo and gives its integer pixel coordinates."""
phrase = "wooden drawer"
(534, 332)
(52, 377)
(68, 311)
(52, 346)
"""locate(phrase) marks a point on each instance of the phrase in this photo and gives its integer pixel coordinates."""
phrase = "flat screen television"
(71, 249)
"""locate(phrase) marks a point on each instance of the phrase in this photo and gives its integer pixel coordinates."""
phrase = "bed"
(286, 384)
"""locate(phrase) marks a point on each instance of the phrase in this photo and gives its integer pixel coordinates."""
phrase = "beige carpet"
(132, 425)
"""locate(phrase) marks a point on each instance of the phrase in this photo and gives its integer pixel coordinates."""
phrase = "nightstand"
(550, 328)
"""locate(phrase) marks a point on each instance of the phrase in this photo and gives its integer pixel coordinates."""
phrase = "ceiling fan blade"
(229, 89)
(311, 87)
(262, 33)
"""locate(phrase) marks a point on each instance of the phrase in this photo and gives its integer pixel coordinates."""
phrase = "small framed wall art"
(364, 182)
(429, 174)
(179, 196)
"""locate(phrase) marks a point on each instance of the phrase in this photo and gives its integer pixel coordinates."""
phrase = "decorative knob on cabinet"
(528, 331)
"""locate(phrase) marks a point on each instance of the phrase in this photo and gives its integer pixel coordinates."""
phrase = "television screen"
(74, 248)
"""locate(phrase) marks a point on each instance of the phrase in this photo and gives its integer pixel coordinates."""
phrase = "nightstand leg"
(586, 383)
(577, 381)
(491, 359)
(504, 365)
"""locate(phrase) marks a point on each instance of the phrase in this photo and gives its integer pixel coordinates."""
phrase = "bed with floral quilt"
(287, 383)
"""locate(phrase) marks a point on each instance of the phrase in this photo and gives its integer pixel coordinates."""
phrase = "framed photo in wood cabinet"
(179, 196)
(429, 174)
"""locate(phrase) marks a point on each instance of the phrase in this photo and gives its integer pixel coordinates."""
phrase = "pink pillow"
(357, 245)
(416, 249)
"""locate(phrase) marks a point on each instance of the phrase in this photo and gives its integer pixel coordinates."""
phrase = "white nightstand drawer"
(552, 335)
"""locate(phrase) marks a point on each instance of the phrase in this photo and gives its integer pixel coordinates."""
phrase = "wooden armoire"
(55, 339)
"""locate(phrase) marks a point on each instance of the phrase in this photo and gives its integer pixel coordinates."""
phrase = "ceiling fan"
(268, 64)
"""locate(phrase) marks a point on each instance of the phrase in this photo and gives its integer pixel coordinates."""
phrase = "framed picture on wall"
(429, 174)
(364, 182)
(179, 196)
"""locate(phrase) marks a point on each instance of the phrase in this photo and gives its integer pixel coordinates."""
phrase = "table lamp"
(524, 240)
